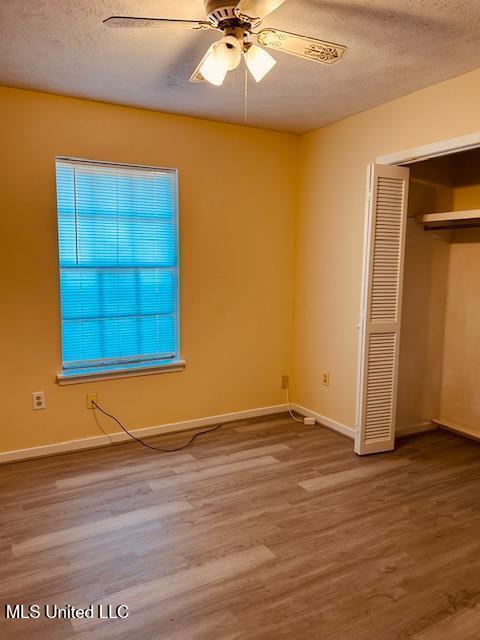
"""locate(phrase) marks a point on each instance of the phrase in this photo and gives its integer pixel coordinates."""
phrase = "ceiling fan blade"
(256, 10)
(157, 23)
(301, 46)
(197, 76)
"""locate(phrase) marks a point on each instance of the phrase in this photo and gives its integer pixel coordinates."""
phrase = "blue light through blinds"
(118, 264)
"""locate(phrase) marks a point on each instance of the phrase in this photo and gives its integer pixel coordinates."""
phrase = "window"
(118, 239)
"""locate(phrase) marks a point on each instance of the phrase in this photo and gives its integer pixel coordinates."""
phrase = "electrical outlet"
(91, 397)
(285, 382)
(38, 400)
(326, 379)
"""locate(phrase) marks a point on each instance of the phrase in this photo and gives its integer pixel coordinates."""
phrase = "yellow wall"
(330, 228)
(237, 207)
(238, 198)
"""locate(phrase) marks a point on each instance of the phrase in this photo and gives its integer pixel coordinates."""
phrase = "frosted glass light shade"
(223, 56)
(259, 62)
(212, 69)
(228, 52)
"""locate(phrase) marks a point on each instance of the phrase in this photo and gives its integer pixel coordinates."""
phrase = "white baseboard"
(421, 427)
(463, 430)
(104, 440)
(327, 422)
(349, 432)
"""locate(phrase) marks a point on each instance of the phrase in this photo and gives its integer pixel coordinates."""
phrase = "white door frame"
(405, 157)
(434, 150)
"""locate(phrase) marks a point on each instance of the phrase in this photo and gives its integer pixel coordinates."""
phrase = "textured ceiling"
(395, 47)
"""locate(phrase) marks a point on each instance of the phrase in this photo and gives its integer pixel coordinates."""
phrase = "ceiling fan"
(239, 23)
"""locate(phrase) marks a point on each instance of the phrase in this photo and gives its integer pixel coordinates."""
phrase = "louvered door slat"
(381, 309)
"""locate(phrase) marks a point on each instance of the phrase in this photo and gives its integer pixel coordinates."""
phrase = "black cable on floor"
(149, 446)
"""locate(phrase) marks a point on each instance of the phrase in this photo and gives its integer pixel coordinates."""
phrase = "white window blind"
(118, 247)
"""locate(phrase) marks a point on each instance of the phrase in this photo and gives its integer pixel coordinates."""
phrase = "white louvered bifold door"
(381, 308)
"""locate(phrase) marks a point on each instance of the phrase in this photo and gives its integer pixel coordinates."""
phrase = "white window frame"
(65, 377)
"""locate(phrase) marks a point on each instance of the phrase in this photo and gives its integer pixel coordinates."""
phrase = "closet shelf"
(450, 220)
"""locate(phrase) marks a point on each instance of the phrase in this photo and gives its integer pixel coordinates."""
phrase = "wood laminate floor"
(260, 531)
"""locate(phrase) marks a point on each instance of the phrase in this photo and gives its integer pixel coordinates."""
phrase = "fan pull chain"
(246, 95)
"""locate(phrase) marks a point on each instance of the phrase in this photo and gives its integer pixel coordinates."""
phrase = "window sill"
(79, 377)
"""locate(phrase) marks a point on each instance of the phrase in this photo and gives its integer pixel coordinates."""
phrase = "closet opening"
(439, 361)
(419, 348)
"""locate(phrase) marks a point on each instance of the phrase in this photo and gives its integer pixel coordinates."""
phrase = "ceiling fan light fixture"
(212, 68)
(259, 62)
(238, 20)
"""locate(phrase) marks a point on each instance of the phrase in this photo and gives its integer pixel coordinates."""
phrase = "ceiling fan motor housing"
(219, 11)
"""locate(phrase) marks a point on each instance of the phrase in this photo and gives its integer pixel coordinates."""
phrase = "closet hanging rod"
(430, 227)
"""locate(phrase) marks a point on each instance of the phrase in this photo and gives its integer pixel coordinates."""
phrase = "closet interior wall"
(440, 341)
(424, 296)
(460, 395)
